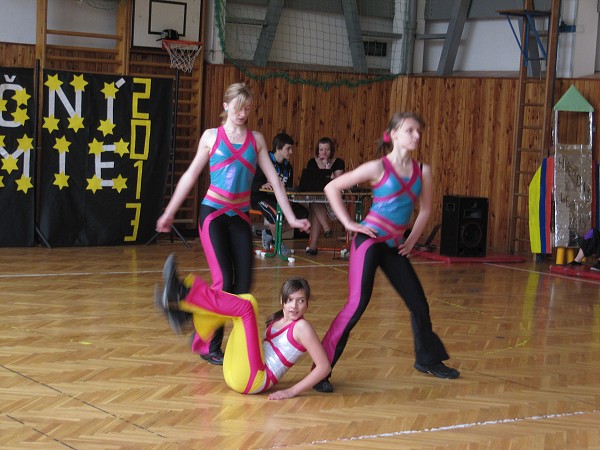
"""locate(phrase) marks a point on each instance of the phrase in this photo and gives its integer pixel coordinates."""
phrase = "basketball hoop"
(182, 53)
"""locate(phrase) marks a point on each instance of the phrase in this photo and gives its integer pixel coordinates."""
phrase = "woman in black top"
(332, 167)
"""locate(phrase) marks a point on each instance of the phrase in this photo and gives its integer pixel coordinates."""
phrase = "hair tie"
(386, 137)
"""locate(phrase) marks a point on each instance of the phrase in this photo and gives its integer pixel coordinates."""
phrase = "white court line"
(454, 427)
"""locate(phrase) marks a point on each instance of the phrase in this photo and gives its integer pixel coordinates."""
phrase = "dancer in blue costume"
(399, 183)
(232, 153)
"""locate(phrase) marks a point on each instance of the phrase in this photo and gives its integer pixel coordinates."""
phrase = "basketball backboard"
(151, 17)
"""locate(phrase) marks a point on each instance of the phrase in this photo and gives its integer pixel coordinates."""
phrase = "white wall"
(485, 45)
(18, 22)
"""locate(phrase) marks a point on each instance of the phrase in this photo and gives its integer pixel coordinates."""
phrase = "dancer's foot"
(177, 319)
(174, 289)
(439, 370)
(324, 386)
(215, 357)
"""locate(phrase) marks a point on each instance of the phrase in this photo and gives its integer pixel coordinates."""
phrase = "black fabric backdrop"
(17, 157)
(105, 149)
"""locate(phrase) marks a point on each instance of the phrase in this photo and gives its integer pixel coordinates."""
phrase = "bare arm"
(368, 172)
(278, 188)
(306, 335)
(187, 181)
(425, 208)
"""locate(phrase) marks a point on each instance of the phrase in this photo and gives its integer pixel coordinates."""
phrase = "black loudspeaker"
(464, 226)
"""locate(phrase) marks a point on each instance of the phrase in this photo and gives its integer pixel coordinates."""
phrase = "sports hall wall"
(468, 139)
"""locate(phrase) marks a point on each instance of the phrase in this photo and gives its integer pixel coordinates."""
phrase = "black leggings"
(227, 244)
(366, 255)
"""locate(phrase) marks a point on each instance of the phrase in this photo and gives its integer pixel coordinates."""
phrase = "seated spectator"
(589, 245)
(332, 167)
(265, 202)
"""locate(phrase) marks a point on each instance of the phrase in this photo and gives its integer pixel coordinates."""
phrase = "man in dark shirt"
(265, 202)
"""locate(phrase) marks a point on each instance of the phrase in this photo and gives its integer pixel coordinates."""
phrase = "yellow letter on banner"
(138, 188)
(145, 129)
(135, 222)
(137, 96)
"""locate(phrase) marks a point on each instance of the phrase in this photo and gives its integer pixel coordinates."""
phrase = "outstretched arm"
(307, 336)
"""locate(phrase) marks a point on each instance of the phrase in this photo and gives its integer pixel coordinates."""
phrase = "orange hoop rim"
(168, 42)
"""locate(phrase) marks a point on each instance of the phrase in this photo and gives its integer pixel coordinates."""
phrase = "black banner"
(105, 149)
(17, 157)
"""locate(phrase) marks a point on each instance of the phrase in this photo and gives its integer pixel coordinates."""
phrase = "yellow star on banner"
(79, 83)
(76, 123)
(21, 97)
(106, 126)
(109, 90)
(9, 163)
(24, 183)
(94, 184)
(25, 143)
(2, 140)
(61, 180)
(20, 116)
(122, 147)
(119, 183)
(3, 105)
(51, 123)
(62, 145)
(96, 147)
(1, 181)
(53, 82)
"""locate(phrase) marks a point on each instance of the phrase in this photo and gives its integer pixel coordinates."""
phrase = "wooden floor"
(87, 363)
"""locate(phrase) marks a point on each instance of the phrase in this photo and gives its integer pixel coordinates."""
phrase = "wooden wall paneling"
(499, 139)
(293, 123)
(351, 137)
(474, 136)
(278, 105)
(309, 127)
(17, 55)
(501, 110)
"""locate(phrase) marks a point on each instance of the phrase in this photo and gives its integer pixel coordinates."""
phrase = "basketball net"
(182, 53)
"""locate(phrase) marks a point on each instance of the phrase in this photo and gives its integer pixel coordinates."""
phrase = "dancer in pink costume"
(248, 366)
